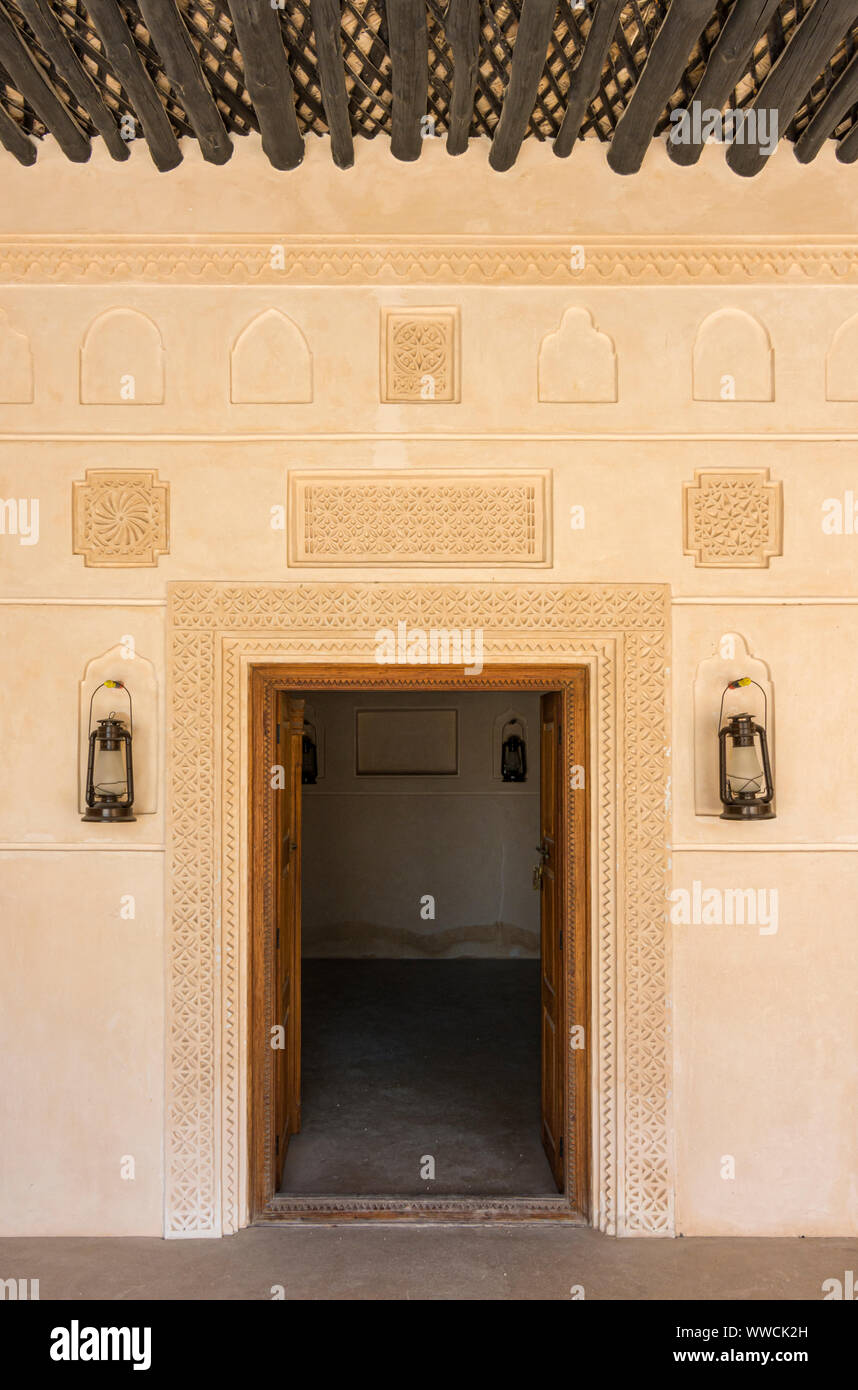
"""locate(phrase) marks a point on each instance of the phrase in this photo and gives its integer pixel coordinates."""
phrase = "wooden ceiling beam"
(842, 96)
(15, 141)
(793, 74)
(184, 69)
(36, 89)
(122, 55)
(409, 59)
(585, 78)
(462, 27)
(727, 65)
(528, 62)
(53, 36)
(269, 81)
(326, 16)
(847, 148)
(661, 75)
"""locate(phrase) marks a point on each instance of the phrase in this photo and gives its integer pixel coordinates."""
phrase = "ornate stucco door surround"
(217, 631)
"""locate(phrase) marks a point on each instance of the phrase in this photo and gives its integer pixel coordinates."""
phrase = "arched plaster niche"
(271, 363)
(16, 364)
(733, 358)
(730, 661)
(841, 363)
(576, 362)
(122, 360)
(498, 727)
(124, 663)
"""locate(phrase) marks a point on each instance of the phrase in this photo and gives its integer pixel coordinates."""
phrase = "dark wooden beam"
(122, 55)
(727, 65)
(182, 65)
(843, 94)
(585, 78)
(661, 75)
(14, 139)
(36, 89)
(462, 27)
(526, 68)
(326, 16)
(53, 36)
(269, 81)
(793, 74)
(409, 59)
(847, 148)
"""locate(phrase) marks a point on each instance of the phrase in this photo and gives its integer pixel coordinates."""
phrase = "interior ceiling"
(505, 70)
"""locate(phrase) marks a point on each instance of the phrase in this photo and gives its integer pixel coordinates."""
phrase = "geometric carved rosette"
(215, 630)
(120, 518)
(419, 517)
(420, 355)
(733, 519)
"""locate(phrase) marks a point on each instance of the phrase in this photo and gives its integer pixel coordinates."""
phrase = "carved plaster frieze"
(733, 518)
(120, 518)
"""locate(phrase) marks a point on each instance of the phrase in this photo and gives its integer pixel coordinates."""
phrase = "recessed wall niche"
(122, 360)
(16, 364)
(841, 363)
(733, 358)
(577, 362)
(730, 661)
(271, 362)
(124, 663)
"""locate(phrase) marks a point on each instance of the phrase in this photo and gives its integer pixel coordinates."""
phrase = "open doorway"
(419, 973)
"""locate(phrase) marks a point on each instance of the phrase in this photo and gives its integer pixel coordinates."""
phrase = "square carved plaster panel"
(420, 356)
(732, 518)
(426, 517)
(120, 518)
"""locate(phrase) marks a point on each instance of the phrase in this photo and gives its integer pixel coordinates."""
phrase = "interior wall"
(375, 848)
(764, 1029)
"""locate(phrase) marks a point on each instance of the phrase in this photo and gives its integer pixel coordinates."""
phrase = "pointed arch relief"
(577, 363)
(841, 363)
(733, 358)
(16, 364)
(271, 362)
(122, 360)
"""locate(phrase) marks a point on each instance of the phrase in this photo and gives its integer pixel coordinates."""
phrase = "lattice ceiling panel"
(504, 70)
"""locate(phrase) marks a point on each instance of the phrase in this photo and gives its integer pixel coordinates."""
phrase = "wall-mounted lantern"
(745, 772)
(513, 753)
(309, 756)
(109, 769)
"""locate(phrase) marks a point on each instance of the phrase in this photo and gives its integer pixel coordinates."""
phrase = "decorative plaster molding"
(733, 359)
(732, 518)
(270, 362)
(420, 355)
(420, 517)
(415, 261)
(120, 518)
(16, 364)
(122, 360)
(216, 631)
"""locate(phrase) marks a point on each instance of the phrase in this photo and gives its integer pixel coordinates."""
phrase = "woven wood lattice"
(368, 68)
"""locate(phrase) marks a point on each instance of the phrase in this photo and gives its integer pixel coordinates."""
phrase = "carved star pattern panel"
(120, 518)
(733, 519)
(420, 355)
(419, 518)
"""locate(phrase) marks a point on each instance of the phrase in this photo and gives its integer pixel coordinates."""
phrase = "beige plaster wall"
(764, 1031)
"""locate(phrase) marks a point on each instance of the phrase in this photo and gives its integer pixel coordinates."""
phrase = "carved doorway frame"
(217, 632)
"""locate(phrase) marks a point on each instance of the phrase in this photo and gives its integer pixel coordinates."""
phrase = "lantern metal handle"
(113, 685)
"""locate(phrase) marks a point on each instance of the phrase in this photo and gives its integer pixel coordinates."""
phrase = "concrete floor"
(407, 1058)
(428, 1263)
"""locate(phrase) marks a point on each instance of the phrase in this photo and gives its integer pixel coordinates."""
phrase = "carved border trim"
(214, 630)
(424, 260)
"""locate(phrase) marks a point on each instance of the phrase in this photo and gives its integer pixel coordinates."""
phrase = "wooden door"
(549, 876)
(287, 926)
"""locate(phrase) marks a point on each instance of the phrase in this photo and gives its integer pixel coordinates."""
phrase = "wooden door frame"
(574, 1204)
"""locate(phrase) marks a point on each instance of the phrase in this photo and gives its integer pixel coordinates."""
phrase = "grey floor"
(531, 1261)
(404, 1059)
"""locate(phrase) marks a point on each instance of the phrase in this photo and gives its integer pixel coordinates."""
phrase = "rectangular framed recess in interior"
(573, 1204)
(426, 743)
